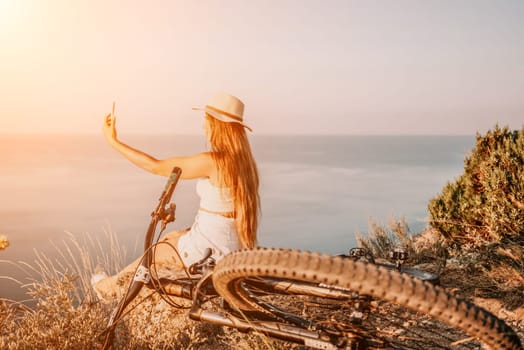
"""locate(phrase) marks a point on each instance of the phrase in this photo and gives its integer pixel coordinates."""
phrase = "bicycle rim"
(329, 295)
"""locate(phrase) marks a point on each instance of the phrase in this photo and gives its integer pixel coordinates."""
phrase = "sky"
(301, 67)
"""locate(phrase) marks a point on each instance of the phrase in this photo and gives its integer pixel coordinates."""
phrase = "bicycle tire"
(234, 272)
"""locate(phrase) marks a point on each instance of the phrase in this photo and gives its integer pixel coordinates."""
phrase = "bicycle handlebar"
(160, 213)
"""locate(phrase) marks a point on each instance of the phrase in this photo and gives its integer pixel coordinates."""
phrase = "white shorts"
(208, 231)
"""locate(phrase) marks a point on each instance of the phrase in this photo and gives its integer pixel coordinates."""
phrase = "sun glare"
(9, 12)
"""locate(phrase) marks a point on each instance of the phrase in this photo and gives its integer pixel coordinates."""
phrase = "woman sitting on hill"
(227, 185)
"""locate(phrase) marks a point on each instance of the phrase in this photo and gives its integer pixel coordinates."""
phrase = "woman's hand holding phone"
(109, 125)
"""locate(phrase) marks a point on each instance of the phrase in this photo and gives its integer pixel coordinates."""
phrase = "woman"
(228, 188)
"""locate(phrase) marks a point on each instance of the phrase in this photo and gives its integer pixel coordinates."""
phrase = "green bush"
(486, 203)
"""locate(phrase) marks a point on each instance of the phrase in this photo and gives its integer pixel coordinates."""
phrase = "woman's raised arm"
(198, 165)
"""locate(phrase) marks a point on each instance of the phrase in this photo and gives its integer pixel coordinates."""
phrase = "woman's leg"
(164, 255)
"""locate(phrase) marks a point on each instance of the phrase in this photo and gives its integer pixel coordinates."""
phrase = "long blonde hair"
(238, 171)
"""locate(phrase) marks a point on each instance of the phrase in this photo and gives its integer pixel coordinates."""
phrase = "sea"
(317, 192)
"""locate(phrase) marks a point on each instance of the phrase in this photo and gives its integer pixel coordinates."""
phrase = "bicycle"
(320, 301)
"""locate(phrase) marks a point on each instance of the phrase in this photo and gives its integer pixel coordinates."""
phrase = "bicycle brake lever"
(168, 215)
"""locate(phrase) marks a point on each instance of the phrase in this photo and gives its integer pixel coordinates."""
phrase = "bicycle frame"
(203, 288)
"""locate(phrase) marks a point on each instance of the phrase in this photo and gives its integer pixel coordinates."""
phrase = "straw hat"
(226, 108)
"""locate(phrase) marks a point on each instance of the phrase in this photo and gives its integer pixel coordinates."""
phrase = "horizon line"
(163, 134)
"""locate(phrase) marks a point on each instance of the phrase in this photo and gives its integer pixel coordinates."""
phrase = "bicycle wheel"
(330, 295)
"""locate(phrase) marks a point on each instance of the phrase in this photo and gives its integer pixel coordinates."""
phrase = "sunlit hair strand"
(237, 170)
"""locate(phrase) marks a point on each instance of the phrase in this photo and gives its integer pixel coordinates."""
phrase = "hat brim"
(221, 117)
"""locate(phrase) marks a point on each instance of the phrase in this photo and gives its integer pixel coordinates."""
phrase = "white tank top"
(214, 198)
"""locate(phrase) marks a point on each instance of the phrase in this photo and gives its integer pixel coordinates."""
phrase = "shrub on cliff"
(486, 203)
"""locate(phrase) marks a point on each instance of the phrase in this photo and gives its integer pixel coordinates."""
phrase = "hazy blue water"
(317, 191)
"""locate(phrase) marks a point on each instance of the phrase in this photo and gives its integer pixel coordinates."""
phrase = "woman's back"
(213, 198)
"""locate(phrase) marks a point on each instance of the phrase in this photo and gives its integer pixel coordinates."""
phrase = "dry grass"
(423, 247)
(493, 271)
(55, 322)
(65, 314)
